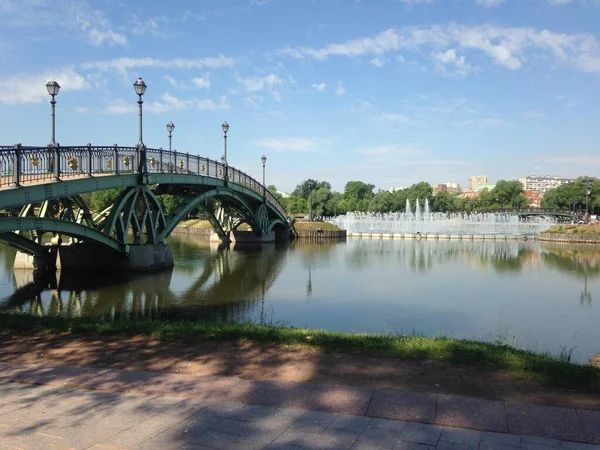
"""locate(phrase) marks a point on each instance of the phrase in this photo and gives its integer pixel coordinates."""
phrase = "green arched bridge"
(46, 184)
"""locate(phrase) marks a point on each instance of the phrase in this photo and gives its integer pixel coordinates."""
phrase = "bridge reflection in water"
(227, 283)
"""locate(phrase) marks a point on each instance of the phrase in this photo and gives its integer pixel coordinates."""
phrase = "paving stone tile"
(422, 433)
(114, 380)
(280, 393)
(211, 388)
(314, 421)
(461, 436)
(412, 446)
(254, 413)
(490, 446)
(467, 412)
(501, 439)
(548, 442)
(387, 425)
(544, 421)
(402, 405)
(579, 446)
(166, 384)
(340, 399)
(533, 446)
(332, 439)
(591, 424)
(281, 421)
(373, 439)
(351, 423)
(443, 445)
(62, 376)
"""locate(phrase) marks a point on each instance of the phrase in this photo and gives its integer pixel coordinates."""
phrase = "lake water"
(528, 294)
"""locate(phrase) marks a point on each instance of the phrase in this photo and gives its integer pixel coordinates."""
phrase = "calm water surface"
(528, 294)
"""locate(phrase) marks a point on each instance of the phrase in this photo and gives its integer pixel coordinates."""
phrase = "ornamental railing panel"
(22, 165)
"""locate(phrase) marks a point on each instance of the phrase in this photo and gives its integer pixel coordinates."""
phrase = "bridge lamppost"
(225, 128)
(53, 88)
(587, 184)
(170, 128)
(140, 88)
(264, 161)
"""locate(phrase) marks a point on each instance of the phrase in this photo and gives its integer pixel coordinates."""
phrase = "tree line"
(317, 197)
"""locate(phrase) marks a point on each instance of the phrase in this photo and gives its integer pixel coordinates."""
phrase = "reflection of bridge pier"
(132, 233)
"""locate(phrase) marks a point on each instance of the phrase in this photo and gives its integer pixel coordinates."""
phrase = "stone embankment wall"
(458, 237)
(192, 231)
(335, 235)
(570, 238)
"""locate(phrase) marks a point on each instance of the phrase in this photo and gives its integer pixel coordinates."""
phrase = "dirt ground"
(275, 362)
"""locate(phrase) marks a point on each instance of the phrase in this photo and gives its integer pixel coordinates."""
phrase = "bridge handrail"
(33, 164)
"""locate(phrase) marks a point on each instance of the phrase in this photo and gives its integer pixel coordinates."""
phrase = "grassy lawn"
(549, 370)
(314, 225)
(574, 229)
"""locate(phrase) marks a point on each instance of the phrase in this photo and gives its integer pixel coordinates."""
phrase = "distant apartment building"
(397, 188)
(542, 184)
(476, 181)
(450, 186)
(535, 198)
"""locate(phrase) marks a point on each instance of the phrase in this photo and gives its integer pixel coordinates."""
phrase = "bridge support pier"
(82, 256)
(42, 263)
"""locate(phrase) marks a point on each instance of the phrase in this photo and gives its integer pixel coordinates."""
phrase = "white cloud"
(578, 160)
(451, 59)
(201, 82)
(175, 83)
(319, 86)
(276, 96)
(126, 63)
(362, 106)
(255, 84)
(489, 3)
(32, 88)
(340, 89)
(293, 144)
(378, 61)
(397, 119)
(507, 47)
(168, 102)
(159, 26)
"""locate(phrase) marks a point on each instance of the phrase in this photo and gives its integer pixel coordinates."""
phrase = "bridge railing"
(21, 165)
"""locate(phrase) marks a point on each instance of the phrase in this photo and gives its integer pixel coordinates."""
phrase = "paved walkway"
(70, 407)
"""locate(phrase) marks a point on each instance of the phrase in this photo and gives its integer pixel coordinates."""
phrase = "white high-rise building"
(535, 183)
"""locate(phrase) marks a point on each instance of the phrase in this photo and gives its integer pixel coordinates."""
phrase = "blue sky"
(386, 91)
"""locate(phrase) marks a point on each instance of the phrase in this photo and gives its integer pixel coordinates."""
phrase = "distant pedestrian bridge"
(46, 184)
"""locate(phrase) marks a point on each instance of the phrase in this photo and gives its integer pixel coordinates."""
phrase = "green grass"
(550, 371)
(314, 225)
(574, 229)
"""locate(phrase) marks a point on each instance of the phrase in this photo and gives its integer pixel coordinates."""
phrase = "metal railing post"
(57, 164)
(89, 157)
(116, 159)
(187, 162)
(17, 166)
(160, 159)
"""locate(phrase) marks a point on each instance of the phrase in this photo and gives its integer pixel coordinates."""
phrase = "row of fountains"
(422, 220)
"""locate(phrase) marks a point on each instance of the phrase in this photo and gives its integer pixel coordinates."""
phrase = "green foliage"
(304, 189)
(101, 200)
(280, 198)
(169, 203)
(382, 202)
(296, 205)
(573, 195)
(444, 202)
(507, 194)
(357, 196)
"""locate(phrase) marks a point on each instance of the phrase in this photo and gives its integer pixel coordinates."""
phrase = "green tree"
(304, 189)
(357, 196)
(169, 203)
(509, 194)
(296, 205)
(280, 198)
(319, 200)
(101, 200)
(421, 191)
(444, 202)
(382, 202)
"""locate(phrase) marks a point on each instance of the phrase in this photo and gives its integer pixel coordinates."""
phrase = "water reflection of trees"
(425, 255)
(227, 284)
